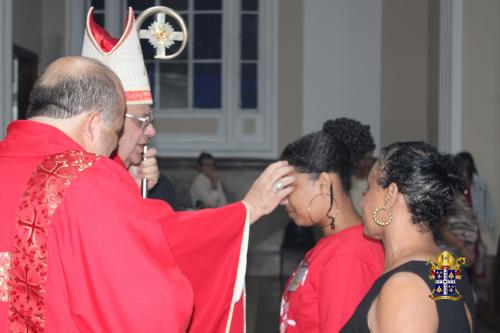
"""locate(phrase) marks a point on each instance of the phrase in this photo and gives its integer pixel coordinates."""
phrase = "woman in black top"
(409, 190)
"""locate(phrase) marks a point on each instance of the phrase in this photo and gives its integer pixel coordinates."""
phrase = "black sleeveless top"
(451, 314)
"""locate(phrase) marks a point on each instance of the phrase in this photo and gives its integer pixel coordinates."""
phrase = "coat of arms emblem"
(445, 275)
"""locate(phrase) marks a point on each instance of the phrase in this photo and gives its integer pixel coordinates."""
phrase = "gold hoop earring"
(332, 218)
(377, 220)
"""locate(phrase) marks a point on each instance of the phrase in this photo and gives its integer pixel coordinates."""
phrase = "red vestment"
(109, 264)
(325, 289)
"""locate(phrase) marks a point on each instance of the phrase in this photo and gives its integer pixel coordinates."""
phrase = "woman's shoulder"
(406, 293)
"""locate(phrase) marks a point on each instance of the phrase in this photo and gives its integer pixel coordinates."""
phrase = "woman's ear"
(324, 183)
(391, 195)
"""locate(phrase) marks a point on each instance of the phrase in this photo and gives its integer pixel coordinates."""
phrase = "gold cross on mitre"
(160, 34)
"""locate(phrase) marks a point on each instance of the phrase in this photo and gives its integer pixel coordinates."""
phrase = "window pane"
(147, 50)
(207, 4)
(140, 4)
(248, 86)
(175, 47)
(175, 4)
(177, 44)
(250, 4)
(207, 86)
(249, 30)
(174, 85)
(97, 4)
(207, 36)
(99, 19)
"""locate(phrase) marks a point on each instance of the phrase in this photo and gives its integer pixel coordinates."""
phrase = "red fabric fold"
(206, 247)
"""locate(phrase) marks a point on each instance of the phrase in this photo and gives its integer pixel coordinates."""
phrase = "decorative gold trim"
(5, 264)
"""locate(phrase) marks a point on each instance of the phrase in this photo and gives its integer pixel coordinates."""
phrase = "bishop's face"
(135, 135)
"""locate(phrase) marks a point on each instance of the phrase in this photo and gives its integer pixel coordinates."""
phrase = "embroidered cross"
(30, 287)
(32, 227)
(28, 273)
(54, 171)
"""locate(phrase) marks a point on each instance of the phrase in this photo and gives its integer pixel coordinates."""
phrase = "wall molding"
(169, 163)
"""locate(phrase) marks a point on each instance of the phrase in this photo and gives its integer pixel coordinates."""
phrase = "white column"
(342, 62)
(5, 65)
(450, 76)
(74, 22)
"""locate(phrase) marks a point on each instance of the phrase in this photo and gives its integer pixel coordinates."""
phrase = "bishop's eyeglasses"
(143, 121)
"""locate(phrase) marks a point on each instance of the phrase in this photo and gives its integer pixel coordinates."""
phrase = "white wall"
(27, 22)
(53, 31)
(290, 61)
(342, 62)
(405, 77)
(481, 97)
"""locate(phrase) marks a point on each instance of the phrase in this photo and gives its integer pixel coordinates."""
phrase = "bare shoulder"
(403, 305)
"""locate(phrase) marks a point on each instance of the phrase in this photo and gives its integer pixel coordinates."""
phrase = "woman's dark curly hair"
(428, 180)
(354, 133)
(336, 148)
(467, 164)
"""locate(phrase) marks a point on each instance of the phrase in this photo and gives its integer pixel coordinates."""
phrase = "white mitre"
(123, 56)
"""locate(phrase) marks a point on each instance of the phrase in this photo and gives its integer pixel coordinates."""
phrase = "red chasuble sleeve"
(337, 300)
(210, 248)
(110, 268)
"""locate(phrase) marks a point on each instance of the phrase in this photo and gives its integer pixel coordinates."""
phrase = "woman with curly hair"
(410, 189)
(326, 287)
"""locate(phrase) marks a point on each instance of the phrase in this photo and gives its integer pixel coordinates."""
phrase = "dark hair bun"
(353, 134)
(428, 180)
(452, 168)
(334, 149)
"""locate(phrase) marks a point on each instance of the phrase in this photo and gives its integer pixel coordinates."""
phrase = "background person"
(207, 190)
(479, 199)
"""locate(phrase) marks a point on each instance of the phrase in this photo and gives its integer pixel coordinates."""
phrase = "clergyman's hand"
(269, 189)
(148, 169)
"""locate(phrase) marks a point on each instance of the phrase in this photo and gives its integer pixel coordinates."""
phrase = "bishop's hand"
(147, 169)
(269, 189)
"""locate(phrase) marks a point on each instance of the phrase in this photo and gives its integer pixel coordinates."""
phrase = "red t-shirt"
(327, 286)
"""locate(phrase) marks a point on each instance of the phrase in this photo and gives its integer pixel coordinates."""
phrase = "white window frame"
(229, 140)
(6, 115)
